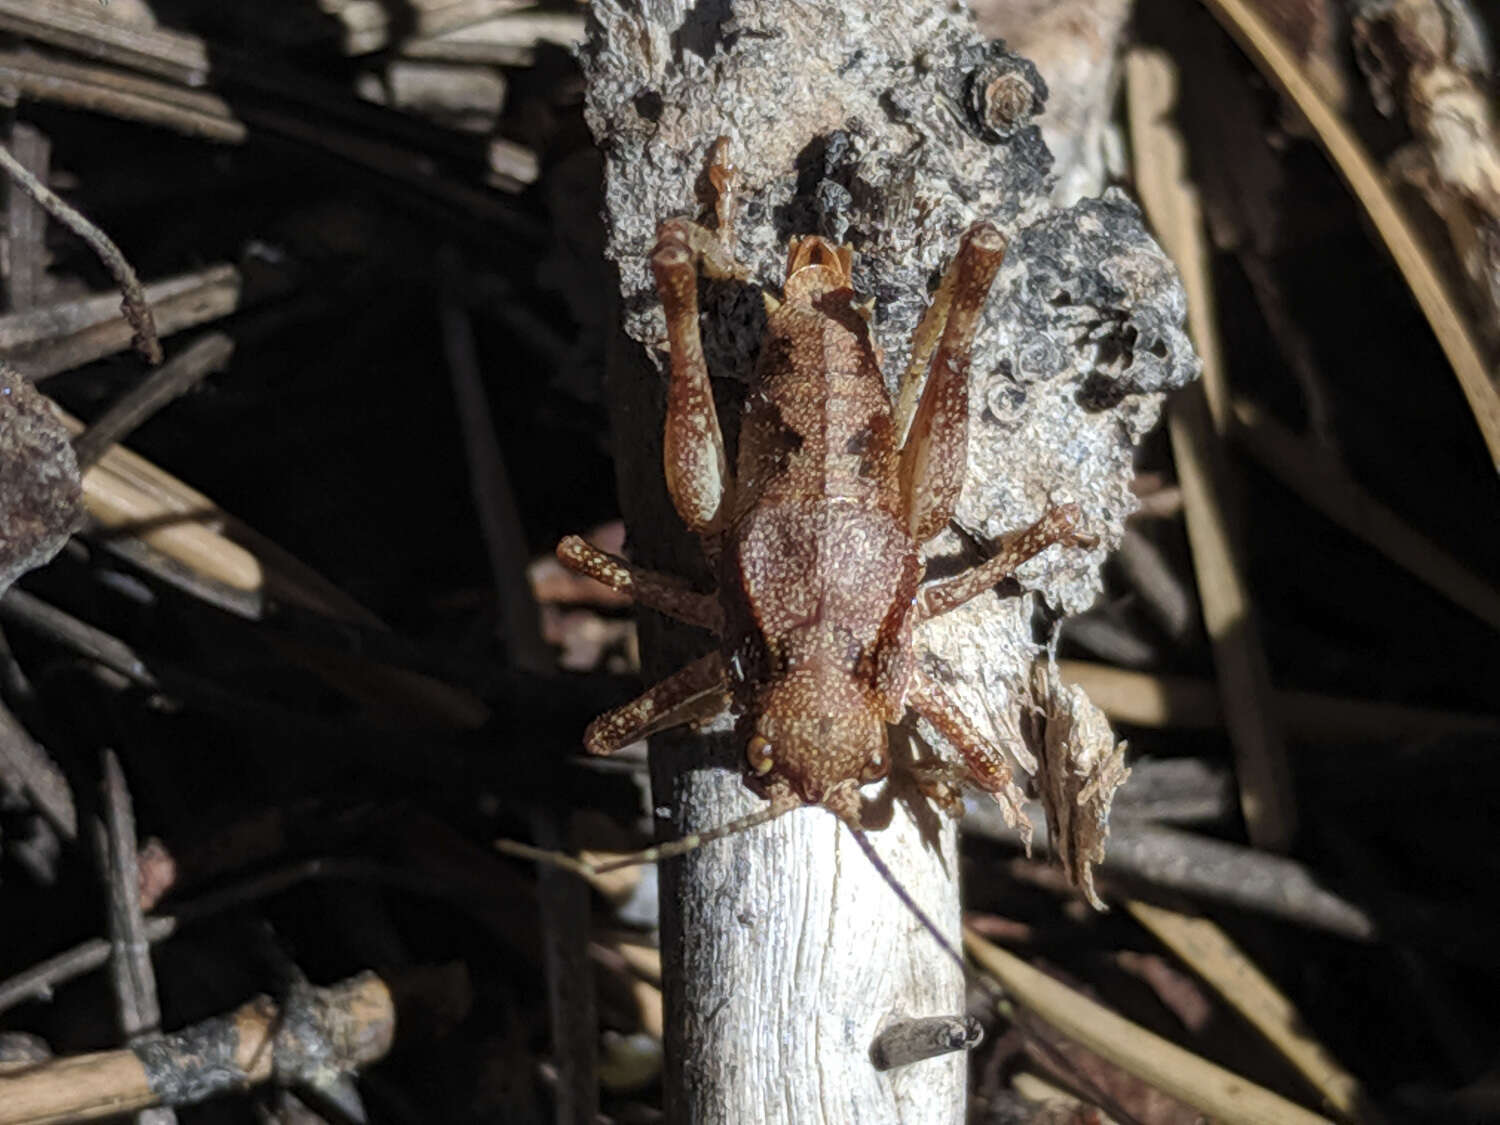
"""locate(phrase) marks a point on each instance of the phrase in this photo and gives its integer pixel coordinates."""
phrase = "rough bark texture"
(1076, 46)
(892, 127)
(41, 499)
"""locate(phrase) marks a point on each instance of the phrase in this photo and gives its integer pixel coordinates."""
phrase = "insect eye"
(758, 751)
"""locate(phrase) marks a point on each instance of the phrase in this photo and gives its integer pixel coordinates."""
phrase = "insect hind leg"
(934, 451)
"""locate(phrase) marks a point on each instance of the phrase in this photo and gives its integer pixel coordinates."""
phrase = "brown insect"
(815, 535)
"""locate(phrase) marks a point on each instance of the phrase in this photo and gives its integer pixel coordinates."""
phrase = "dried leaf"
(1079, 768)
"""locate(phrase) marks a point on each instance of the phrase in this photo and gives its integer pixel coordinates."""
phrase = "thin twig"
(134, 304)
(186, 368)
(43, 341)
(39, 981)
(489, 479)
(138, 1012)
(25, 766)
(1206, 869)
(65, 629)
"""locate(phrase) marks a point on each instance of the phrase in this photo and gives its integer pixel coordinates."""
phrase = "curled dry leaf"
(1079, 768)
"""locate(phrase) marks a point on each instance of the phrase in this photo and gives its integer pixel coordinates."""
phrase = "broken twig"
(134, 305)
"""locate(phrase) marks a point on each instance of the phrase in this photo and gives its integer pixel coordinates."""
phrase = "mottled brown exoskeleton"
(815, 535)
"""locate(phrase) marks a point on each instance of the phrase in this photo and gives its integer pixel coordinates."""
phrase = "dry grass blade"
(1412, 258)
(1198, 420)
(1209, 952)
(134, 304)
(1224, 1096)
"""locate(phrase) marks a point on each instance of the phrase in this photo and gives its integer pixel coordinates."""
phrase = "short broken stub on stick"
(909, 1041)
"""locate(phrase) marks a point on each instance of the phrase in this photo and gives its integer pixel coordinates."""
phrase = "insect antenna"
(905, 896)
(689, 843)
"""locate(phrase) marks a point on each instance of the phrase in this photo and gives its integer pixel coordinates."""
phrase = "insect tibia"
(689, 843)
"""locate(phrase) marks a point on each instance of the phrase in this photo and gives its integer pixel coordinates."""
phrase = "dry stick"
(494, 498)
(1198, 422)
(206, 115)
(172, 379)
(26, 767)
(1224, 1096)
(134, 304)
(1148, 699)
(1208, 870)
(26, 222)
(39, 981)
(169, 54)
(341, 1028)
(1414, 260)
(138, 1012)
(87, 641)
(509, 41)
(1324, 483)
(1210, 953)
(563, 900)
(97, 89)
(44, 341)
(563, 903)
(1164, 596)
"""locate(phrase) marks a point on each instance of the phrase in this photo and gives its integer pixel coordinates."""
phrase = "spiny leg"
(693, 692)
(650, 588)
(985, 763)
(934, 456)
(1057, 525)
